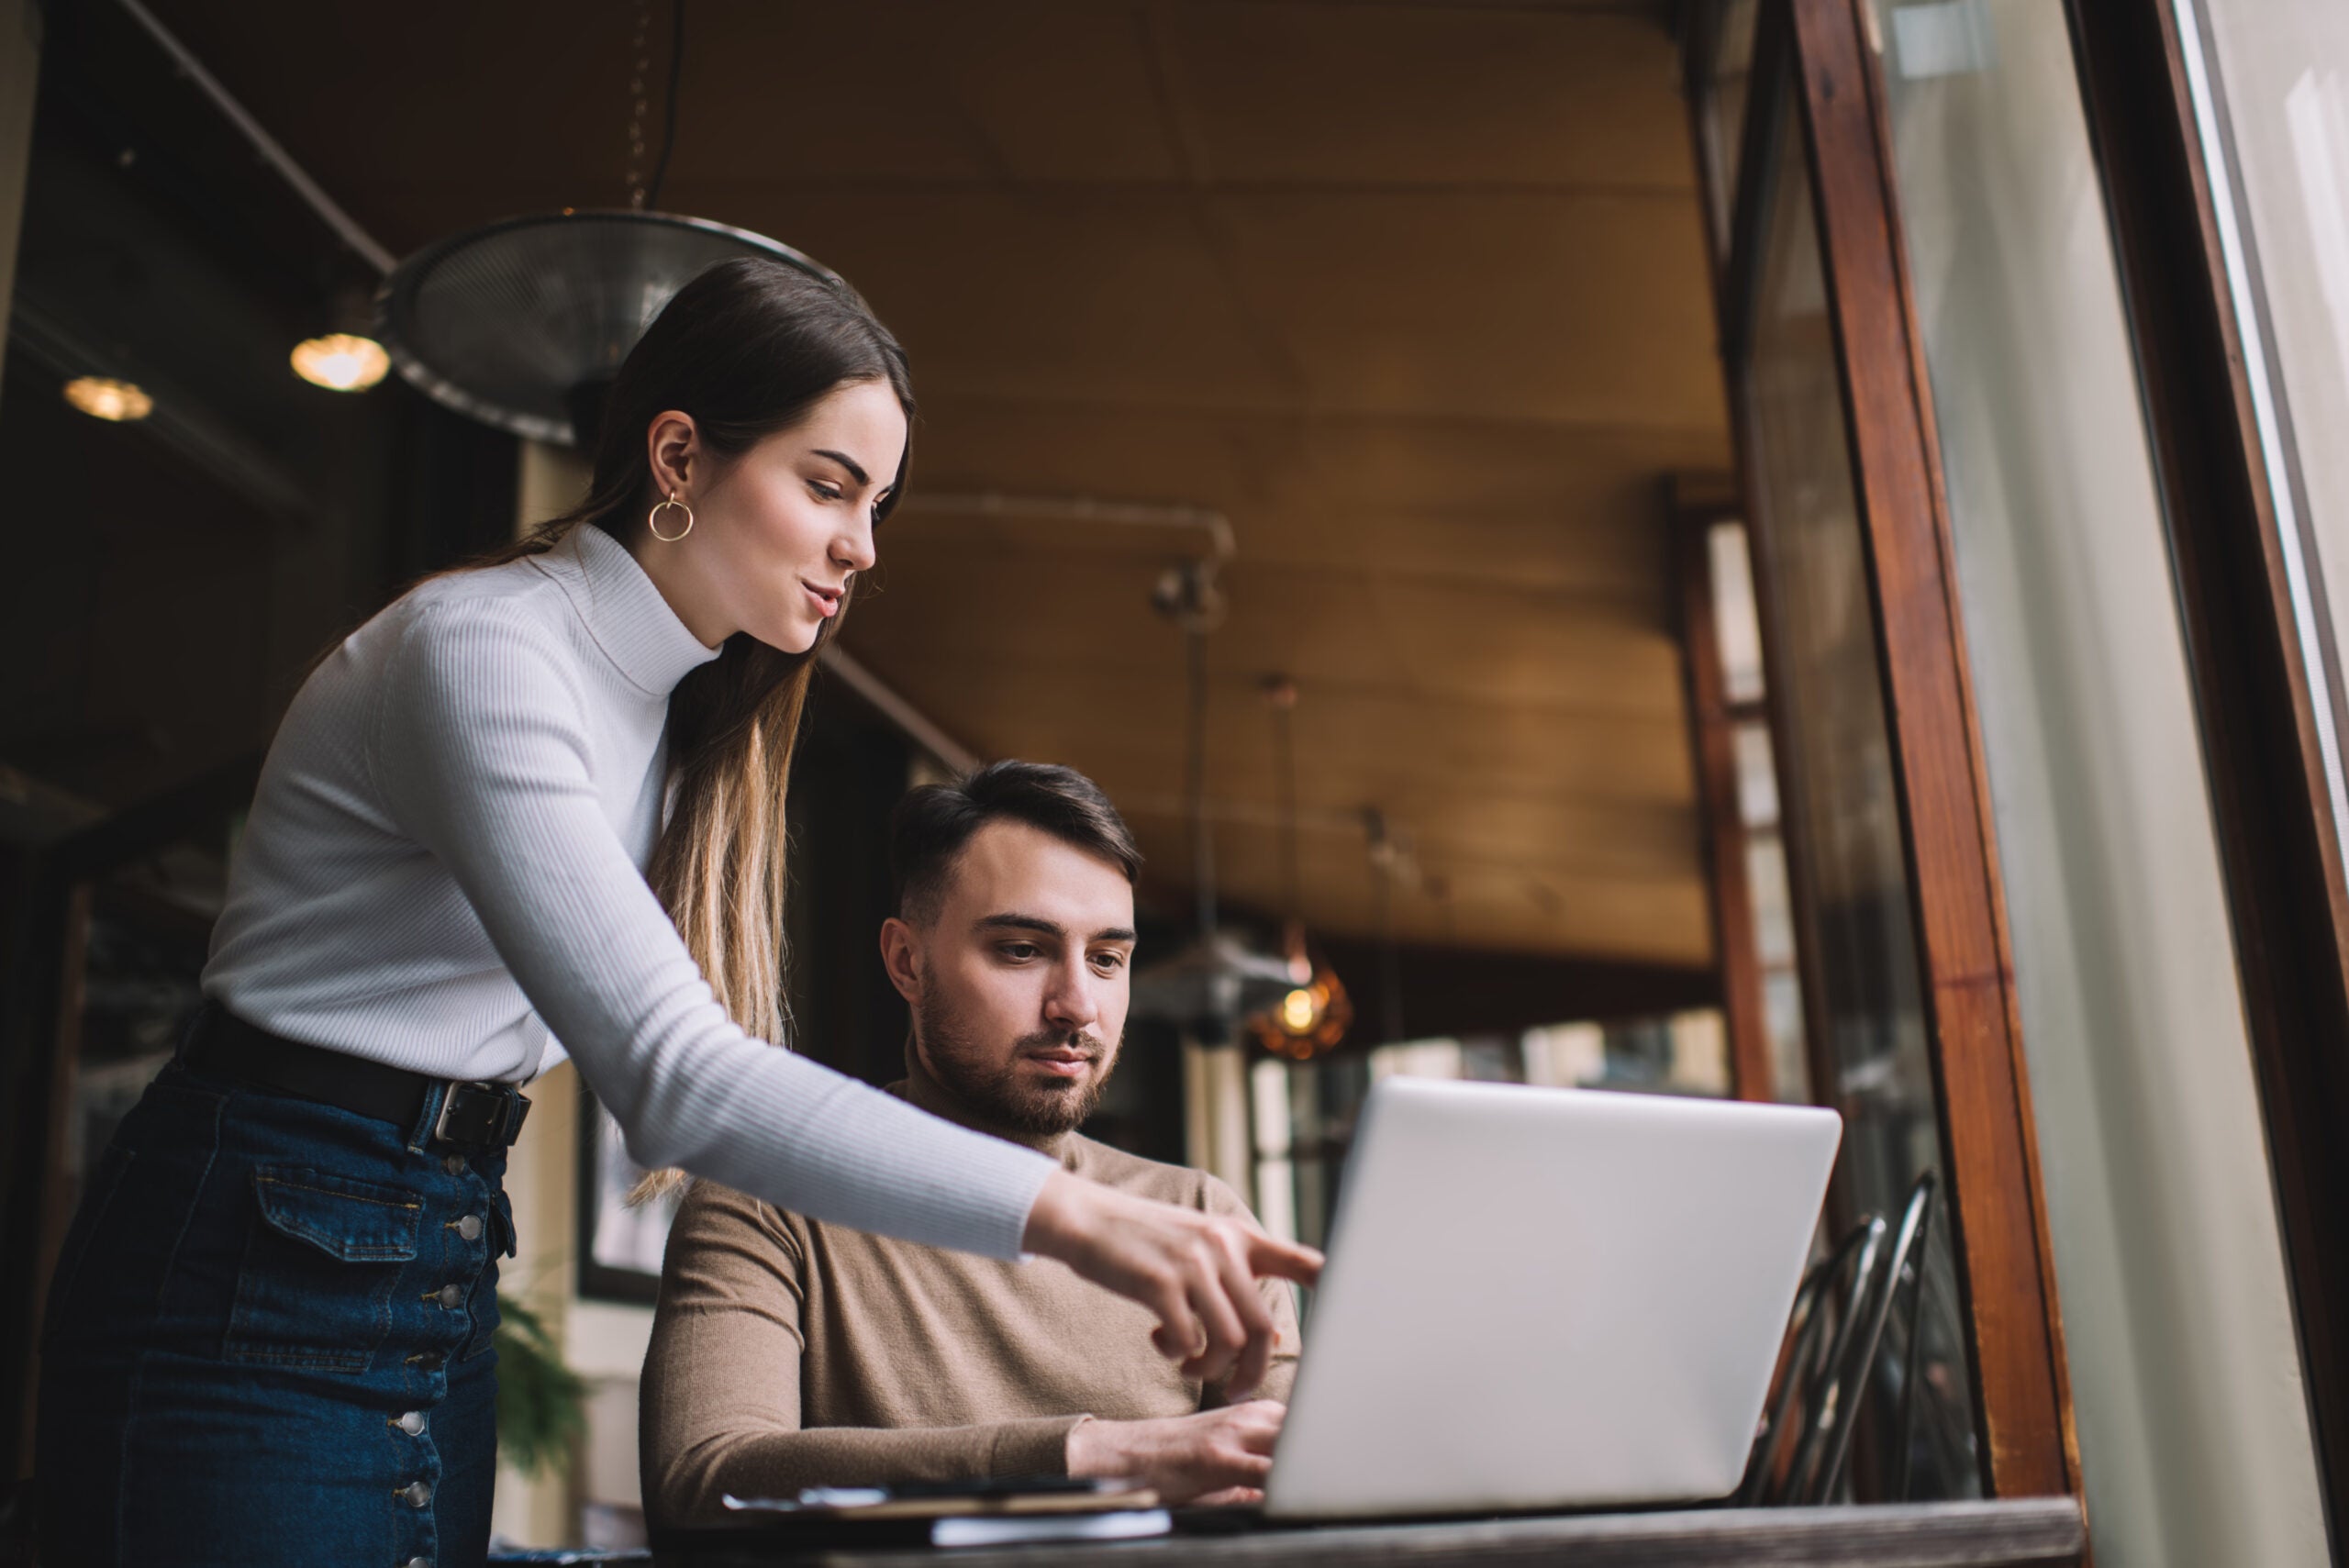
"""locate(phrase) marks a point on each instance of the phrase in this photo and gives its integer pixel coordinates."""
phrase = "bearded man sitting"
(789, 1353)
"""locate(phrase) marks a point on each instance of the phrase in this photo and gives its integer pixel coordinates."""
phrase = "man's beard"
(1003, 1097)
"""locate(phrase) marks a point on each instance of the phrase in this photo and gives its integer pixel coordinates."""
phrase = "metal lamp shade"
(523, 323)
(1209, 986)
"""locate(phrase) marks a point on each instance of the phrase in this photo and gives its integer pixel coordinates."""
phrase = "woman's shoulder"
(460, 615)
(523, 584)
(486, 641)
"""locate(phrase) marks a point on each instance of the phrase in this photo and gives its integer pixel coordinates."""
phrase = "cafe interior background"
(1340, 428)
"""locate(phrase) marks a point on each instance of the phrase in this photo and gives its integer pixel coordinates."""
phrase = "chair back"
(1835, 1339)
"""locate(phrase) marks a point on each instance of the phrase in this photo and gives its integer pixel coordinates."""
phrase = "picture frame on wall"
(621, 1244)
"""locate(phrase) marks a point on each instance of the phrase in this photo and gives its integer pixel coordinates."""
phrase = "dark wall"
(171, 580)
(168, 582)
(847, 776)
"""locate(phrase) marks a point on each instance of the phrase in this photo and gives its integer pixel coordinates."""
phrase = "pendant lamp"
(1313, 1014)
(1215, 979)
(522, 324)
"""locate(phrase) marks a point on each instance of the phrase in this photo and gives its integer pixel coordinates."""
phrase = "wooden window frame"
(1713, 719)
(1814, 52)
(2254, 702)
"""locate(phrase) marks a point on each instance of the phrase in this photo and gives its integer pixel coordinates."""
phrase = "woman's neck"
(672, 572)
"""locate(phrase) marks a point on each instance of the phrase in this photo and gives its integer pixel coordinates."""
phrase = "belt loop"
(420, 1135)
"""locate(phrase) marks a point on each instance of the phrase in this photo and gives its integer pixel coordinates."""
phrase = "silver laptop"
(1548, 1298)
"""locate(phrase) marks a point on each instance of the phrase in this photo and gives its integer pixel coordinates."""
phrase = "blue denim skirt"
(268, 1340)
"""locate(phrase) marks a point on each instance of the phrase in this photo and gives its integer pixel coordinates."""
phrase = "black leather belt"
(472, 1116)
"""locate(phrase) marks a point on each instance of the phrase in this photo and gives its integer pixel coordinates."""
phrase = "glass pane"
(1774, 921)
(2122, 950)
(1303, 1114)
(1723, 110)
(1782, 1011)
(1757, 775)
(1774, 943)
(1823, 666)
(2281, 102)
(1735, 626)
(1565, 1056)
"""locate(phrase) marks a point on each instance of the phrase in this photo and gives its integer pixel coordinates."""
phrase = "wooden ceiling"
(1415, 294)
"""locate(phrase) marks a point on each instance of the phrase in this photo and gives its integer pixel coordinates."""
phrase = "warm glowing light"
(102, 398)
(340, 362)
(1312, 1015)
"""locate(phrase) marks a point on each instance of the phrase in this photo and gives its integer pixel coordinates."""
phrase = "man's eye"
(1109, 962)
(1017, 950)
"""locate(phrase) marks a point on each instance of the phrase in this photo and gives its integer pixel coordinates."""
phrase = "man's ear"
(901, 956)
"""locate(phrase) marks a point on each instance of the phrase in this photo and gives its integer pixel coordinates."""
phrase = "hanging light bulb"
(102, 398)
(1313, 1016)
(340, 362)
(1310, 1020)
(345, 356)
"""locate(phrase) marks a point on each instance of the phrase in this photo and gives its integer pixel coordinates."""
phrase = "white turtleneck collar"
(623, 610)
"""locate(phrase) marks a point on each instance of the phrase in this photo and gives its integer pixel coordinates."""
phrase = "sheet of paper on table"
(1004, 1530)
(851, 1503)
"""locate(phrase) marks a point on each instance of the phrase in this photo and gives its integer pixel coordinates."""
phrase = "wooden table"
(2025, 1533)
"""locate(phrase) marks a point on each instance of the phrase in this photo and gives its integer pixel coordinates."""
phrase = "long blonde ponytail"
(720, 865)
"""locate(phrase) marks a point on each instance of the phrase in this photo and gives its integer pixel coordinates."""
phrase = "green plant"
(541, 1404)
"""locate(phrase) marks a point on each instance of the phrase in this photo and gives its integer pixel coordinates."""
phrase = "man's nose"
(1070, 1004)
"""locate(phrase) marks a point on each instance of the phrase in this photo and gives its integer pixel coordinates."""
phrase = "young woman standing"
(540, 796)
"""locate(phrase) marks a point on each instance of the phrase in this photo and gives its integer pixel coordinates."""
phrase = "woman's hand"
(1212, 1458)
(1198, 1272)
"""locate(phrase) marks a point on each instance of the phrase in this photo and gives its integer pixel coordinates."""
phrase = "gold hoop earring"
(653, 519)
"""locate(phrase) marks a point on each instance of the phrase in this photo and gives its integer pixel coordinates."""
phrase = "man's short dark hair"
(932, 824)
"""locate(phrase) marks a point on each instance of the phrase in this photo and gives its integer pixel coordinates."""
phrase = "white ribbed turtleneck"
(448, 847)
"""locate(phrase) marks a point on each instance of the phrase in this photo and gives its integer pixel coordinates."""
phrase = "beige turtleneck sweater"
(789, 1353)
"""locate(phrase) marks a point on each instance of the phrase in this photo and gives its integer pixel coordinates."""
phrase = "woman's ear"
(901, 956)
(672, 450)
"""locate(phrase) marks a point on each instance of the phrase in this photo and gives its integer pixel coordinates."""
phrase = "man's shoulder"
(1184, 1185)
(712, 1213)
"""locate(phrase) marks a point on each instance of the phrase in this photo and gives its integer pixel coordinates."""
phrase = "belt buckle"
(507, 1121)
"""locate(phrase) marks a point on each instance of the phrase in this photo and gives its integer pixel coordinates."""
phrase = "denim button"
(452, 1296)
(417, 1494)
(469, 1227)
(418, 1563)
(453, 1164)
(411, 1423)
(430, 1361)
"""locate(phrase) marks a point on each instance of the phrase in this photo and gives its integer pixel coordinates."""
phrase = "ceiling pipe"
(345, 227)
(915, 724)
